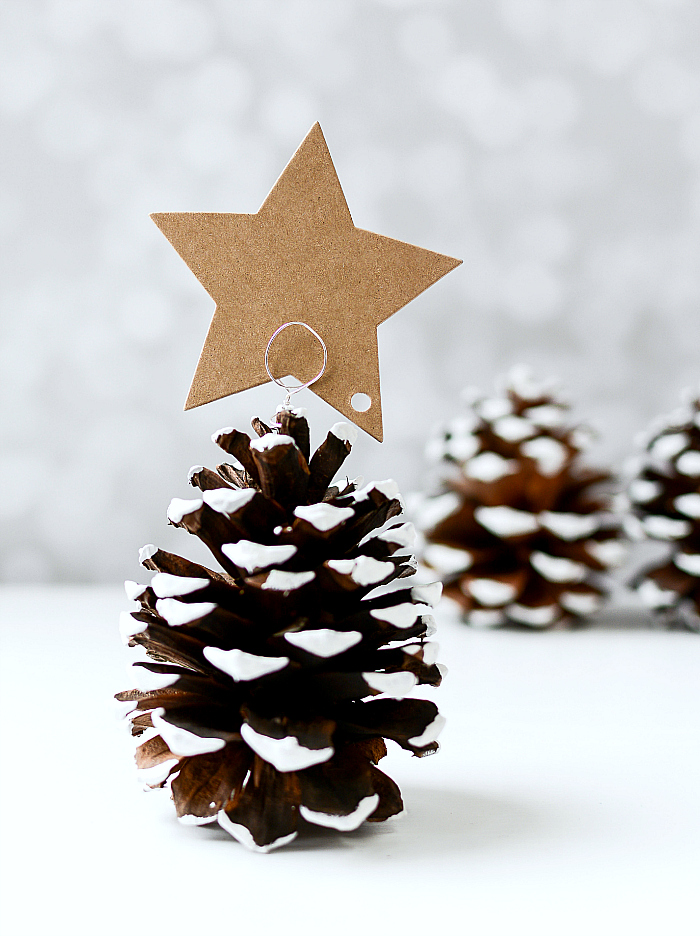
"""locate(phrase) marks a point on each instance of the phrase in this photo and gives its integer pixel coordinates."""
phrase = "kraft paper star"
(300, 258)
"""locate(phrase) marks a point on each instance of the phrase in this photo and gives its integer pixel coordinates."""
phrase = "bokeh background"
(554, 145)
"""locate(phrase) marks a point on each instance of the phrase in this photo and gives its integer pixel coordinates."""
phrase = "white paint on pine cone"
(428, 594)
(179, 508)
(429, 624)
(324, 517)
(155, 775)
(489, 592)
(549, 454)
(654, 597)
(389, 488)
(271, 440)
(341, 566)
(513, 428)
(489, 467)
(688, 562)
(182, 742)
(285, 754)
(493, 408)
(522, 382)
(129, 626)
(446, 559)
(324, 642)
(569, 526)
(170, 586)
(465, 423)
(195, 469)
(410, 562)
(344, 431)
(430, 733)
(279, 580)
(134, 590)
(190, 820)
(364, 570)
(430, 651)
(227, 430)
(506, 521)
(580, 602)
(668, 446)
(298, 411)
(665, 528)
(434, 510)
(147, 681)
(461, 447)
(243, 835)
(481, 617)
(255, 556)
(641, 490)
(557, 568)
(689, 464)
(404, 535)
(226, 500)
(402, 615)
(394, 685)
(540, 616)
(609, 552)
(688, 504)
(548, 415)
(147, 552)
(242, 666)
(177, 613)
(347, 823)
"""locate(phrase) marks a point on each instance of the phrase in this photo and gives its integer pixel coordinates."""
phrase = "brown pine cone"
(521, 531)
(256, 697)
(663, 500)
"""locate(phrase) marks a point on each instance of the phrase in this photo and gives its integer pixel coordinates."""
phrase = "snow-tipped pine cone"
(663, 499)
(521, 532)
(256, 697)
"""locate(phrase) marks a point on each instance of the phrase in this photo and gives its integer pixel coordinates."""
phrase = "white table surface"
(565, 799)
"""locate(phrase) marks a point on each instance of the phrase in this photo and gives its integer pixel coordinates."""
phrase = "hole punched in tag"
(292, 390)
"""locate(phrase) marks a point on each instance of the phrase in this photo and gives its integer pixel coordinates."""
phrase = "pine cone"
(664, 503)
(519, 534)
(255, 698)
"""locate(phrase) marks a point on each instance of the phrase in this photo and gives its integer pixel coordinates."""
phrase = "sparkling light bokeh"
(553, 146)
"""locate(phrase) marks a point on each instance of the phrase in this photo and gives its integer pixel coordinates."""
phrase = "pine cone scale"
(203, 784)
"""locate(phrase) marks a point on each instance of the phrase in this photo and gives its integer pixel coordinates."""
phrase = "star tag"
(300, 258)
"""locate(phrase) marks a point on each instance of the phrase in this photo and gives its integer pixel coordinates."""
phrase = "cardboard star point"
(300, 258)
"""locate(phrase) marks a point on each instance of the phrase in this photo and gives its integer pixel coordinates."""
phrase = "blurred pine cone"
(253, 696)
(521, 531)
(663, 499)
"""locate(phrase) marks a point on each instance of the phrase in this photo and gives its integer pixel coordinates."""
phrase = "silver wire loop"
(293, 390)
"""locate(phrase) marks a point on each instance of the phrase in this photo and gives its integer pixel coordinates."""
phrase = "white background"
(554, 145)
(564, 800)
